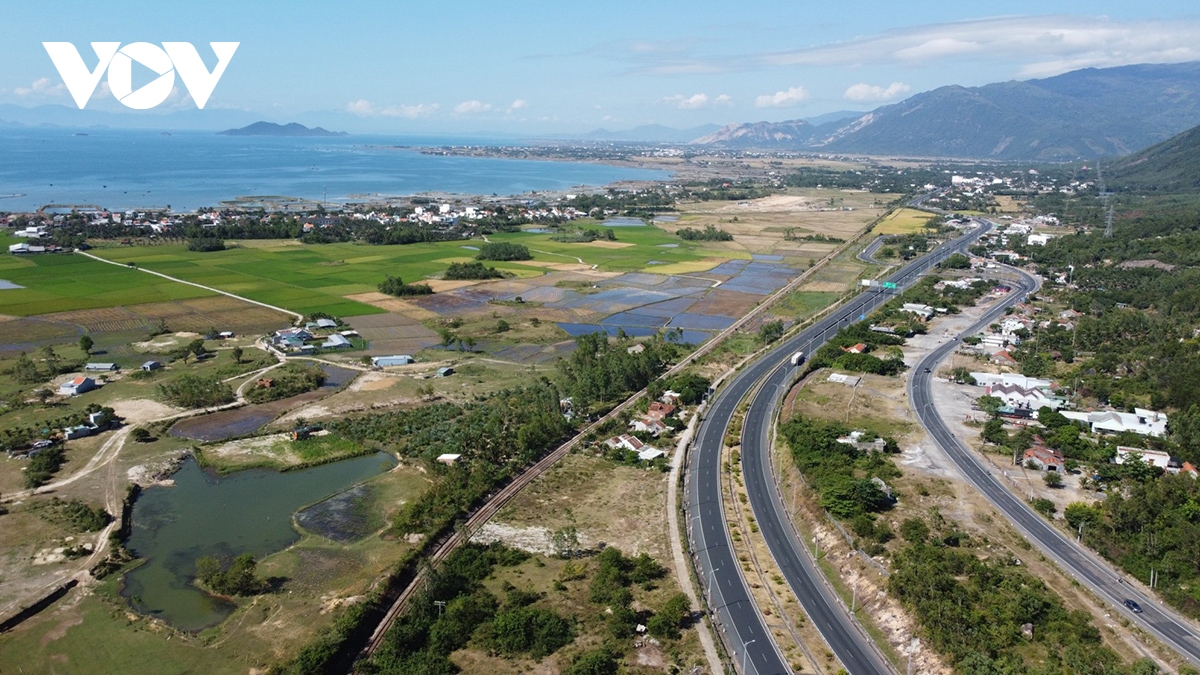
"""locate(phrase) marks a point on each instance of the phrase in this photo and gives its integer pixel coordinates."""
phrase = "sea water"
(130, 169)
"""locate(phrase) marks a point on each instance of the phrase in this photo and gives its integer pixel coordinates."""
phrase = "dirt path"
(678, 556)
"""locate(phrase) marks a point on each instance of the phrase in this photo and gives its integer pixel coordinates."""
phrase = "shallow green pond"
(202, 514)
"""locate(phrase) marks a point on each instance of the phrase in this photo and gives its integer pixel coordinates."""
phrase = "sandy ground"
(772, 203)
(165, 343)
(531, 539)
(140, 410)
(259, 445)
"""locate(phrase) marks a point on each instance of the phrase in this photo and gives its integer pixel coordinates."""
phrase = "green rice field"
(64, 281)
(301, 277)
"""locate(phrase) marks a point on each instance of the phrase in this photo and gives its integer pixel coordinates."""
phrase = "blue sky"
(549, 67)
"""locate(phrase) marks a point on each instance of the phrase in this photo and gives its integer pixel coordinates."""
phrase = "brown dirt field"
(391, 304)
(600, 243)
(732, 304)
(824, 287)
(619, 505)
(442, 285)
(17, 330)
(196, 315)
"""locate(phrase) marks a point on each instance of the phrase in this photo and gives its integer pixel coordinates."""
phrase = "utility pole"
(441, 605)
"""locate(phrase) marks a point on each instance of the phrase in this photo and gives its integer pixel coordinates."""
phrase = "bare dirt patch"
(141, 410)
(600, 243)
(442, 285)
(273, 446)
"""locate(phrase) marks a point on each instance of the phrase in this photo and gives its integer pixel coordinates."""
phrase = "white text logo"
(171, 58)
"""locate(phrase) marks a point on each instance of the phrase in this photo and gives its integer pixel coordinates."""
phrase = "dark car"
(1133, 606)
(928, 370)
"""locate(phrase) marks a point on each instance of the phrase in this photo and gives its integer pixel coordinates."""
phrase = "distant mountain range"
(1078, 115)
(1170, 166)
(271, 129)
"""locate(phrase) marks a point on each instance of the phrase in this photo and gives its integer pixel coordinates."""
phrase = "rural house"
(77, 386)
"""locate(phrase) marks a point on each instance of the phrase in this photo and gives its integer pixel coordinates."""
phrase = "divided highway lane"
(754, 649)
(1080, 562)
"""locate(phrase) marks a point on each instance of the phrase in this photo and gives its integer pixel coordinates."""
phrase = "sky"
(529, 68)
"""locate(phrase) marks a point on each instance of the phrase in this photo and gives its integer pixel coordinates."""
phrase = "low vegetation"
(972, 610)
(196, 391)
(76, 515)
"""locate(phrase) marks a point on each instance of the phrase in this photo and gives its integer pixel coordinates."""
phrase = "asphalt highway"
(753, 648)
(1081, 563)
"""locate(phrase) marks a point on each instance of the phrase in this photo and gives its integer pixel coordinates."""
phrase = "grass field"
(903, 221)
(63, 282)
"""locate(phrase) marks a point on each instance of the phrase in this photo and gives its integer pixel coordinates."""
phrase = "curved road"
(1083, 564)
(716, 565)
(867, 255)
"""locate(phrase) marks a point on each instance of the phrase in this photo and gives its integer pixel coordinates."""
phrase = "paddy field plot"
(903, 221)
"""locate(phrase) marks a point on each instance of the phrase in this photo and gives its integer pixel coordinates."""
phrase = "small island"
(271, 129)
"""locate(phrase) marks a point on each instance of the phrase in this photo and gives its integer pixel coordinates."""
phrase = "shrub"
(196, 391)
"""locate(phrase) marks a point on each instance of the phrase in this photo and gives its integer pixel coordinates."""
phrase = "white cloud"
(518, 105)
(367, 109)
(40, 87)
(1043, 45)
(789, 98)
(693, 102)
(699, 101)
(867, 93)
(471, 107)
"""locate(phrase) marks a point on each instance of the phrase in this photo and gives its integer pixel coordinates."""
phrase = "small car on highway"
(1133, 606)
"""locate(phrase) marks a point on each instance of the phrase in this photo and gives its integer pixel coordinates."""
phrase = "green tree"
(140, 435)
(236, 353)
(990, 404)
(86, 344)
(993, 432)
(25, 370)
(770, 331)
(1053, 479)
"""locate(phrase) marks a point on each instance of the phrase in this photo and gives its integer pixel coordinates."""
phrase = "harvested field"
(721, 302)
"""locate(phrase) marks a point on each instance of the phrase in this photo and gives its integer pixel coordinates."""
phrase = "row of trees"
(471, 271)
(503, 250)
(709, 233)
